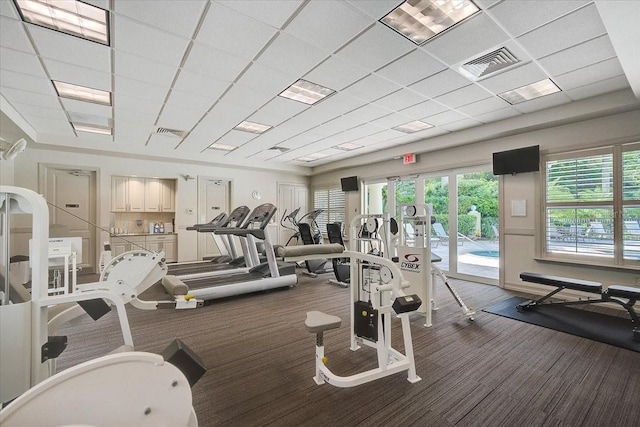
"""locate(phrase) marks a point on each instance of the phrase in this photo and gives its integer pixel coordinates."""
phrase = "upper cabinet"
(129, 194)
(159, 195)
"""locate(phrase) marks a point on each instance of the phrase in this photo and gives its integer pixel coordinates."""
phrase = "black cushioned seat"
(564, 282)
(623, 292)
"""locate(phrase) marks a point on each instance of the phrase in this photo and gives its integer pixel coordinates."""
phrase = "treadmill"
(227, 261)
(263, 276)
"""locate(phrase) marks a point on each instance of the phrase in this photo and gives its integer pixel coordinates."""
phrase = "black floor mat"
(612, 330)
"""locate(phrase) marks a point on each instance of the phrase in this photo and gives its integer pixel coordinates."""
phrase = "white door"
(290, 197)
(72, 209)
(213, 198)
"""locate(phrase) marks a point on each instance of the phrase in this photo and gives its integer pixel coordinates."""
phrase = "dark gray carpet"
(617, 331)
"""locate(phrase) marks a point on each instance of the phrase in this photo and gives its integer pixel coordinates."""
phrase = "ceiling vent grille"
(280, 149)
(490, 63)
(174, 132)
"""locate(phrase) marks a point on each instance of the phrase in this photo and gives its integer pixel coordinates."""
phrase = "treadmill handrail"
(256, 232)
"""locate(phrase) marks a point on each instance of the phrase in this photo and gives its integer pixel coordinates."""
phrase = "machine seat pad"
(624, 292)
(174, 286)
(303, 250)
(576, 284)
(318, 321)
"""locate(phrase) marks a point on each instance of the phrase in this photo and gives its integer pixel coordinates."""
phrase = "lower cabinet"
(153, 243)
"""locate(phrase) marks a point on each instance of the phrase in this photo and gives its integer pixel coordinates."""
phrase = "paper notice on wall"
(518, 208)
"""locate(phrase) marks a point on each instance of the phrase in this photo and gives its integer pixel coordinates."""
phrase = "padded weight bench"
(614, 293)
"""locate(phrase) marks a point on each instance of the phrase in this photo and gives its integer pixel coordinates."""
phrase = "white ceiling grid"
(204, 66)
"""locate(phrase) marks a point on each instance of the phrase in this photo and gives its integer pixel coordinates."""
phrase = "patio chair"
(597, 231)
(442, 235)
(496, 234)
(631, 230)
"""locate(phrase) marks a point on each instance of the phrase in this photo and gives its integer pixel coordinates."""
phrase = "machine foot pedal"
(182, 357)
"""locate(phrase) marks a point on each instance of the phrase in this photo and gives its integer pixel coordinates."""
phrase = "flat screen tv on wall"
(520, 160)
(349, 183)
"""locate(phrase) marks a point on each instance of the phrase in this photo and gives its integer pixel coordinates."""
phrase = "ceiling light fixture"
(70, 17)
(411, 127)
(306, 92)
(82, 93)
(222, 147)
(420, 20)
(102, 130)
(246, 126)
(312, 157)
(529, 92)
(347, 146)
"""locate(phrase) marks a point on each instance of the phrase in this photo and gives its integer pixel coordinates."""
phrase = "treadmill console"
(261, 216)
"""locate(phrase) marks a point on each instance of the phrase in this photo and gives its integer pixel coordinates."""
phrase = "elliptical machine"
(306, 228)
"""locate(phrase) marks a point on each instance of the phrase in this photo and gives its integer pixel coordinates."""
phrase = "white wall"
(244, 182)
(518, 235)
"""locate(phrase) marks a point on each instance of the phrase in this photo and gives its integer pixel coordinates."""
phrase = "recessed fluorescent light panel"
(92, 129)
(307, 92)
(347, 146)
(528, 92)
(411, 127)
(70, 17)
(419, 20)
(222, 147)
(252, 127)
(312, 157)
(81, 93)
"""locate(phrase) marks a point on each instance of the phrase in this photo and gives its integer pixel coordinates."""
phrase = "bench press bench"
(614, 293)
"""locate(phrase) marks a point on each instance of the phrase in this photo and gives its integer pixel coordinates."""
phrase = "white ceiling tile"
(415, 66)
(399, 100)
(279, 53)
(138, 68)
(587, 75)
(265, 155)
(74, 50)
(337, 125)
(463, 96)
(367, 113)
(32, 98)
(48, 125)
(514, 78)
(15, 60)
(358, 132)
(7, 8)
(214, 63)
(484, 106)
(385, 135)
(273, 12)
(440, 83)
(570, 30)
(179, 17)
(236, 138)
(188, 100)
(424, 109)
(144, 120)
(460, 124)
(266, 80)
(392, 120)
(35, 84)
(522, 16)
(376, 47)
(582, 55)
(229, 30)
(37, 111)
(336, 73)
(199, 84)
(444, 118)
(277, 111)
(89, 119)
(467, 39)
(130, 133)
(129, 103)
(12, 34)
(371, 87)
(179, 118)
(497, 115)
(300, 140)
(327, 25)
(86, 107)
(69, 73)
(335, 105)
(160, 141)
(148, 42)
(250, 99)
(376, 9)
(102, 4)
(598, 88)
(133, 88)
(543, 102)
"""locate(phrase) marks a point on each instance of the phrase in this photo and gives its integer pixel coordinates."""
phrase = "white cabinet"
(159, 195)
(166, 243)
(130, 194)
(127, 194)
(153, 243)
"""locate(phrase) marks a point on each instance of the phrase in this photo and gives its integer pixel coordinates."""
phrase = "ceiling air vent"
(174, 132)
(280, 149)
(490, 63)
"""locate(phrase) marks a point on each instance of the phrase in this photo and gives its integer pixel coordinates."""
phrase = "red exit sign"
(407, 159)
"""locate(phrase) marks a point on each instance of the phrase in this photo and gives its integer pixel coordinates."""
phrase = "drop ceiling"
(200, 68)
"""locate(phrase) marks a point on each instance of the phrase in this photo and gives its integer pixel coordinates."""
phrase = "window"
(592, 205)
(332, 201)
